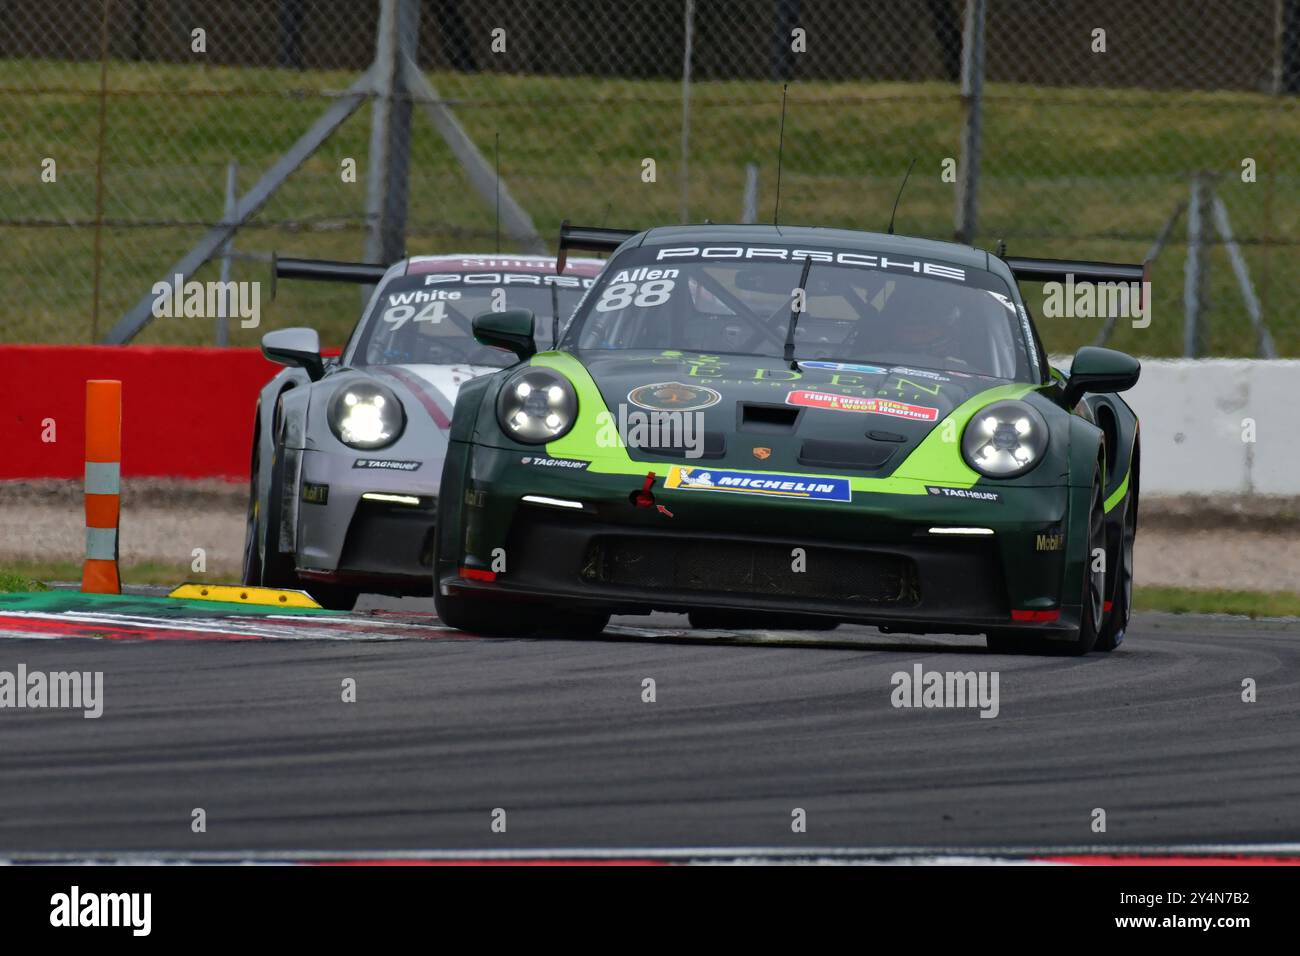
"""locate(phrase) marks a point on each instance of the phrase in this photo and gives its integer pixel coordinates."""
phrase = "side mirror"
(511, 330)
(1100, 370)
(297, 348)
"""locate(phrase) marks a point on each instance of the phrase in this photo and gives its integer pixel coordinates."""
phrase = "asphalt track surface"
(745, 728)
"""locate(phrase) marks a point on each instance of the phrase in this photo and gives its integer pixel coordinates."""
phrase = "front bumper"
(385, 546)
(874, 560)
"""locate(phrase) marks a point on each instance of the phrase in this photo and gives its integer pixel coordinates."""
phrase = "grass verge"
(11, 583)
(1250, 604)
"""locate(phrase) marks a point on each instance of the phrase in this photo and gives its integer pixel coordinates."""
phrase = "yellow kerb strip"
(237, 594)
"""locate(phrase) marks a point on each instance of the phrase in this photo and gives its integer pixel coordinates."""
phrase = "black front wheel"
(1121, 602)
(264, 564)
(487, 615)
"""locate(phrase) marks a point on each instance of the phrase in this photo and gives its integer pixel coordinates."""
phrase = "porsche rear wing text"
(325, 270)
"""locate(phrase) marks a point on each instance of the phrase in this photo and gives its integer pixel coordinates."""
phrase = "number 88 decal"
(620, 295)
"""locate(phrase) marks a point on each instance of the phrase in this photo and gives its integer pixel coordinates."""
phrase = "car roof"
(823, 236)
(504, 261)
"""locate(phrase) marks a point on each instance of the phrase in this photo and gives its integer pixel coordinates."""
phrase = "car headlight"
(1004, 439)
(536, 405)
(366, 415)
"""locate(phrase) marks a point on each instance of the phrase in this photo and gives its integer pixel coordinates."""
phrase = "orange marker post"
(100, 575)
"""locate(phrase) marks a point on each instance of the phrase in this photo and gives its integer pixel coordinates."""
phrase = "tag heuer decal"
(969, 494)
(387, 464)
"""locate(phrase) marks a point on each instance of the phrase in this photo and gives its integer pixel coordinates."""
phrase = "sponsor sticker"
(673, 397)
(855, 403)
(387, 464)
(844, 367)
(1049, 542)
(569, 464)
(969, 494)
(920, 373)
(772, 484)
(315, 494)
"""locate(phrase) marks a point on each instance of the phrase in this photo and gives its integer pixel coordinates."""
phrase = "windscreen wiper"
(800, 297)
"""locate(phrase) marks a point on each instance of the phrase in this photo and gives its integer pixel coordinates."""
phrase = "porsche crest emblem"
(673, 397)
(762, 454)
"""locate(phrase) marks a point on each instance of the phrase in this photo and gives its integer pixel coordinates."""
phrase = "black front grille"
(747, 567)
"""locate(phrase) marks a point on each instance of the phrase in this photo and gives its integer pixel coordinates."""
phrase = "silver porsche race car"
(348, 451)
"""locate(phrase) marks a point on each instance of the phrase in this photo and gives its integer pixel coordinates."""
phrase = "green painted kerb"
(58, 602)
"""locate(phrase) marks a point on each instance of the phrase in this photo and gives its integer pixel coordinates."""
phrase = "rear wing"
(1080, 271)
(1056, 270)
(589, 239)
(325, 270)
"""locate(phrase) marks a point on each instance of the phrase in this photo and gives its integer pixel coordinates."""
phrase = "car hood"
(850, 418)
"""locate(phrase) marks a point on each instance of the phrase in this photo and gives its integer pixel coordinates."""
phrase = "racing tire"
(578, 624)
(334, 597)
(264, 564)
(710, 620)
(1121, 601)
(484, 615)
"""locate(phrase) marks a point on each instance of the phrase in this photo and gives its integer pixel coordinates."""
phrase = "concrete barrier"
(1198, 416)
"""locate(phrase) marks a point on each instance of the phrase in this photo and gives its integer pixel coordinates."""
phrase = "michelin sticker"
(767, 483)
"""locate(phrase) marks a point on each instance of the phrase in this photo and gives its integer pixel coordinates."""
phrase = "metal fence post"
(686, 110)
(1194, 267)
(228, 217)
(972, 107)
(749, 211)
(390, 132)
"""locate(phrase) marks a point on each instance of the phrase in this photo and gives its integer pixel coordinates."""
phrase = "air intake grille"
(744, 567)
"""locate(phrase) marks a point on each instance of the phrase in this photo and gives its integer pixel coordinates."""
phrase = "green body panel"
(936, 460)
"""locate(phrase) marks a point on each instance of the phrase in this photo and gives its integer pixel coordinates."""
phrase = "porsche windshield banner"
(863, 260)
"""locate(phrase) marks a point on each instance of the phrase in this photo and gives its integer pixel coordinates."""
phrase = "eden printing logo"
(77, 909)
(768, 483)
(854, 403)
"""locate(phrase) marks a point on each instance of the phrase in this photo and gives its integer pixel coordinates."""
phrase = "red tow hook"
(645, 497)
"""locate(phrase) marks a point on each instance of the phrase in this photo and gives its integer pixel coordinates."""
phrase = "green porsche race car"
(784, 427)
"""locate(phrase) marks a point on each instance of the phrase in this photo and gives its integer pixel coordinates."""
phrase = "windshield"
(858, 307)
(424, 319)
